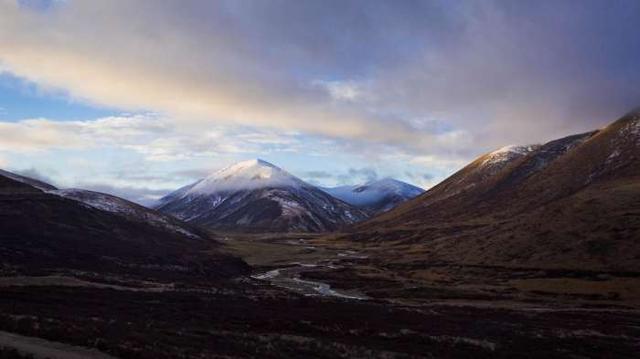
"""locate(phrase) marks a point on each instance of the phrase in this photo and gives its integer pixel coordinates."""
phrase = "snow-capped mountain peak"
(390, 184)
(257, 194)
(245, 175)
(376, 196)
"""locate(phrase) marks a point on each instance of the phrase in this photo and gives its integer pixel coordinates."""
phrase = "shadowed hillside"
(40, 231)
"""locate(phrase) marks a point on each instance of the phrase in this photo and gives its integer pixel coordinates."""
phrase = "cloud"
(525, 72)
(191, 174)
(423, 85)
(140, 195)
(162, 65)
(421, 179)
(35, 174)
(43, 134)
(351, 176)
(419, 176)
(369, 174)
(341, 90)
(155, 137)
(438, 163)
(40, 5)
(32, 135)
(497, 72)
(317, 174)
(358, 176)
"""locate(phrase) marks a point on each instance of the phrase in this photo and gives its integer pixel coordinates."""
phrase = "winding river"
(290, 278)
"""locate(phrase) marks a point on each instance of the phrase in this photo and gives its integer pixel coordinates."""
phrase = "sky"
(137, 98)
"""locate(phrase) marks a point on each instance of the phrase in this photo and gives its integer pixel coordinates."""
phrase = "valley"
(374, 273)
(527, 252)
(319, 179)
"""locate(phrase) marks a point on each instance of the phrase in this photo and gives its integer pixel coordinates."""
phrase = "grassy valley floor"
(329, 299)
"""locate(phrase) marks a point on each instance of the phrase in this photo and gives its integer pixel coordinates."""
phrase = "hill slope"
(44, 231)
(130, 210)
(571, 203)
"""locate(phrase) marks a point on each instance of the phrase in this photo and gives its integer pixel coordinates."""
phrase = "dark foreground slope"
(226, 324)
(571, 203)
(44, 231)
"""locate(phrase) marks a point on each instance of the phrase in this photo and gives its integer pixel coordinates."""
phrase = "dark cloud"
(526, 71)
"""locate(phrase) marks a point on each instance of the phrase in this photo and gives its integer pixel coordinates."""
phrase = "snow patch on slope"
(112, 204)
(629, 133)
(632, 129)
(97, 200)
(507, 153)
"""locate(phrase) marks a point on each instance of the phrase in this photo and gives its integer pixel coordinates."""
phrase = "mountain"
(128, 209)
(376, 196)
(571, 203)
(26, 180)
(46, 230)
(256, 195)
(111, 204)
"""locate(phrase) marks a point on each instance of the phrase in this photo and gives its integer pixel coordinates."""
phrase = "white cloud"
(251, 64)
(341, 90)
(428, 87)
(142, 195)
(438, 163)
(44, 134)
(156, 138)
(37, 134)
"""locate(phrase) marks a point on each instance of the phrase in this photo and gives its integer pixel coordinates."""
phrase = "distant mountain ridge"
(376, 196)
(257, 195)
